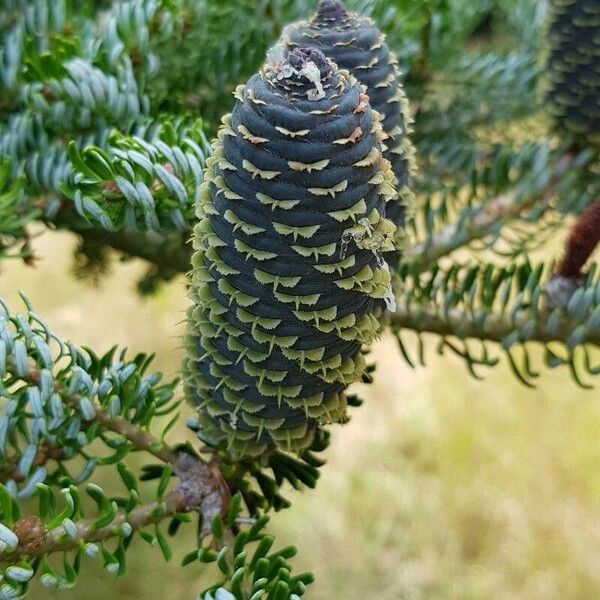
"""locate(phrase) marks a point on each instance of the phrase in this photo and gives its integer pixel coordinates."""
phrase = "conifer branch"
(138, 437)
(502, 209)
(97, 138)
(57, 540)
(170, 252)
(495, 328)
(57, 396)
(511, 306)
(201, 489)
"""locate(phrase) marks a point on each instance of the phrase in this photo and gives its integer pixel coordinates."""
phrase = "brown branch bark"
(582, 242)
(169, 251)
(35, 541)
(201, 489)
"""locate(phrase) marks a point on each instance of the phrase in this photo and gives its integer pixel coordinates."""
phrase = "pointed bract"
(574, 69)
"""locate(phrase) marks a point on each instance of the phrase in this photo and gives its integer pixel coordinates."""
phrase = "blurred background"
(441, 486)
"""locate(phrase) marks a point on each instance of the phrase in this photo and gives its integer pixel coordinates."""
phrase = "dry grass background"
(441, 487)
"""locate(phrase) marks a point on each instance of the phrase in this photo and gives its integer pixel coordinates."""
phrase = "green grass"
(441, 487)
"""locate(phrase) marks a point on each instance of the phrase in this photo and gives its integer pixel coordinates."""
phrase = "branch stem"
(201, 489)
(169, 251)
(57, 540)
(10, 469)
(496, 328)
(140, 438)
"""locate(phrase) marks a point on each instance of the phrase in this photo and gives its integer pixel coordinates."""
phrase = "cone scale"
(573, 69)
(288, 271)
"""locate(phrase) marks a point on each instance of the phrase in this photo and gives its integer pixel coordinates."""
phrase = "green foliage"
(250, 568)
(472, 307)
(260, 480)
(137, 184)
(58, 402)
(14, 214)
(53, 396)
(544, 184)
(60, 518)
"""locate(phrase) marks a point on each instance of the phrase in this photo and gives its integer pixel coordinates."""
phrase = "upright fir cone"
(356, 44)
(288, 272)
(574, 68)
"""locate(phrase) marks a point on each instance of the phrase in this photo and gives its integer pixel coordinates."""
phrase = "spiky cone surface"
(356, 44)
(288, 267)
(573, 67)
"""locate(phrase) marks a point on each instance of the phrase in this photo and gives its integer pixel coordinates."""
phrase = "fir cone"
(356, 44)
(288, 269)
(574, 69)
